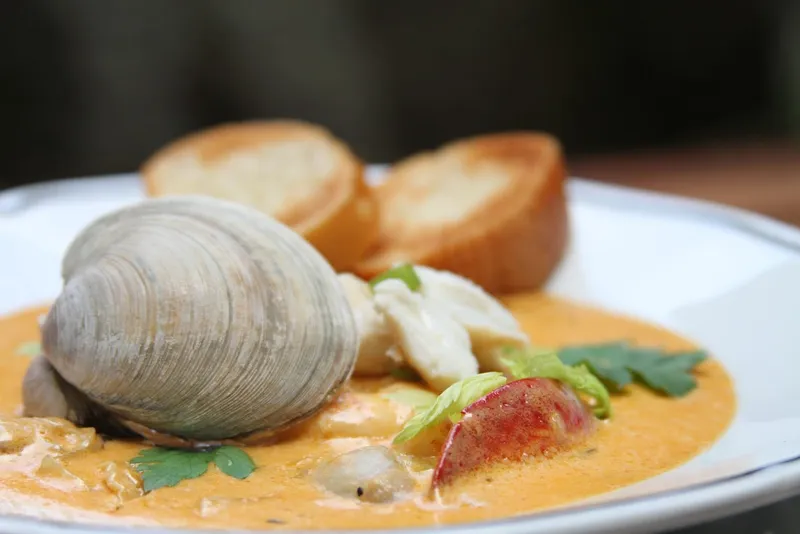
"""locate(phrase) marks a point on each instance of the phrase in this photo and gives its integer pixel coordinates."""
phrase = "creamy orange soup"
(647, 435)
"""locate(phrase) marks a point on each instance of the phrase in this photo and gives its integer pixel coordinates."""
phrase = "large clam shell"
(200, 318)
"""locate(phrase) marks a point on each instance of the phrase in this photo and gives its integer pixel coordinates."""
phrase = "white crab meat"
(377, 351)
(436, 345)
(489, 324)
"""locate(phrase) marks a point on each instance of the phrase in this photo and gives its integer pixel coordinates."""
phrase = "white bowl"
(728, 279)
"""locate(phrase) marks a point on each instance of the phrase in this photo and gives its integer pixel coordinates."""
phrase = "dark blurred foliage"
(94, 86)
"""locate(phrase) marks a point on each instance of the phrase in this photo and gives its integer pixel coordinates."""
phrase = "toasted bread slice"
(491, 208)
(297, 172)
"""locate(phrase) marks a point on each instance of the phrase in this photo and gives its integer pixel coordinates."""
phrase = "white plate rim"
(649, 513)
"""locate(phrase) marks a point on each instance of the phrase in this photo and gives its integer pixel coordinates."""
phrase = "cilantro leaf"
(30, 348)
(404, 272)
(234, 462)
(450, 402)
(162, 467)
(522, 363)
(618, 364)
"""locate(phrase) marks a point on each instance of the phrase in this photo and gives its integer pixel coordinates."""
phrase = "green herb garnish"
(234, 462)
(406, 374)
(404, 272)
(528, 363)
(618, 364)
(30, 348)
(419, 399)
(450, 402)
(161, 467)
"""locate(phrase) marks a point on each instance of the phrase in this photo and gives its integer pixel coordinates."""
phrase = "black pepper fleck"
(276, 521)
(360, 491)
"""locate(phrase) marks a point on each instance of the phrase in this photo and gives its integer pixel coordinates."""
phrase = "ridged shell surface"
(200, 318)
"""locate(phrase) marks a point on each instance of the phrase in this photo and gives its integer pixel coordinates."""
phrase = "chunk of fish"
(52, 435)
(122, 481)
(371, 474)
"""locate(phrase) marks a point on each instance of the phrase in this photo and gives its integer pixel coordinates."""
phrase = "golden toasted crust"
(310, 181)
(498, 214)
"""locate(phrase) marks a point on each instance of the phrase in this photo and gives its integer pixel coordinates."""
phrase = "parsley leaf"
(618, 364)
(522, 363)
(234, 462)
(167, 467)
(404, 272)
(450, 402)
(162, 467)
(30, 348)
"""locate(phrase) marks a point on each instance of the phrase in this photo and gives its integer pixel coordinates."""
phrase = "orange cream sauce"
(648, 435)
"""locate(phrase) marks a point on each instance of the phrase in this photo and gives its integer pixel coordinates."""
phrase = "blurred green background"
(94, 86)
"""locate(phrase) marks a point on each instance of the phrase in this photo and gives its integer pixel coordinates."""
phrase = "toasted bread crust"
(338, 215)
(347, 233)
(511, 241)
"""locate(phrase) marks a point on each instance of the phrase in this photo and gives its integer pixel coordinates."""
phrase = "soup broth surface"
(648, 435)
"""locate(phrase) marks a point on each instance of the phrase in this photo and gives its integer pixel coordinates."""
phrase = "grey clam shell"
(200, 318)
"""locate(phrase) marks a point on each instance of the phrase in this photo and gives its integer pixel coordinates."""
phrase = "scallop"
(200, 319)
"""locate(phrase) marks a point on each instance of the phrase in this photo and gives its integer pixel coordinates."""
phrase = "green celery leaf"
(450, 402)
(419, 399)
(234, 462)
(30, 348)
(404, 272)
(526, 363)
